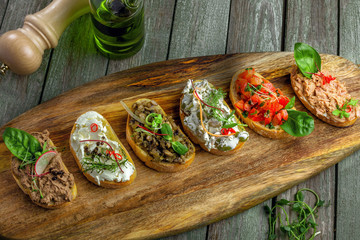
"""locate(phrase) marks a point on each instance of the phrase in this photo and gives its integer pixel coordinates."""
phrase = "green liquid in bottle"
(118, 27)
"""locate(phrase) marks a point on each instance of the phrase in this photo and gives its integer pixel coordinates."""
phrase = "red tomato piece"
(255, 99)
(277, 119)
(269, 87)
(247, 74)
(283, 100)
(284, 114)
(254, 112)
(247, 107)
(240, 105)
(255, 80)
(267, 120)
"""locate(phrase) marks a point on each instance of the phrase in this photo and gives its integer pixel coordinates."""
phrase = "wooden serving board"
(159, 204)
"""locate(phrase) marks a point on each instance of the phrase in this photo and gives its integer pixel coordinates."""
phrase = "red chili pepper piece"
(159, 134)
(326, 79)
(94, 127)
(226, 131)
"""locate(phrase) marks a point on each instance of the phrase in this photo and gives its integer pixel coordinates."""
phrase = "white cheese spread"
(82, 149)
(190, 106)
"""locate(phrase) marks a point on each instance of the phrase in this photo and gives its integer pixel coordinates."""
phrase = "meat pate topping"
(324, 98)
(55, 187)
(156, 146)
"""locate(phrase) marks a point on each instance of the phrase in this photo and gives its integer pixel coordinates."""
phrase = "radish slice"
(43, 161)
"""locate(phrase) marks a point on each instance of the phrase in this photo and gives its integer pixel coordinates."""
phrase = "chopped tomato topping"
(260, 99)
(240, 105)
(247, 74)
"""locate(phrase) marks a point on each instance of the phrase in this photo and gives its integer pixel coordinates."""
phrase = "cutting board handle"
(22, 49)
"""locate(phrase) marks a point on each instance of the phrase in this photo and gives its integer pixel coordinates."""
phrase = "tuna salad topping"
(328, 97)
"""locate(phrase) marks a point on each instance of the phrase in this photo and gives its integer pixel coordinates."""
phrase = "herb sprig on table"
(298, 228)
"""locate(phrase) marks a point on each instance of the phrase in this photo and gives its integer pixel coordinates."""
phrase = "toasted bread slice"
(257, 127)
(96, 177)
(52, 204)
(327, 117)
(168, 163)
(198, 140)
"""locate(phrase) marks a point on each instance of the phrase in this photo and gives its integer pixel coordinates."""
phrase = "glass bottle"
(118, 26)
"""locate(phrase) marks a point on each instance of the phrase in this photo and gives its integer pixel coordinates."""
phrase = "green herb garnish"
(291, 103)
(95, 163)
(299, 227)
(166, 129)
(341, 111)
(179, 148)
(153, 121)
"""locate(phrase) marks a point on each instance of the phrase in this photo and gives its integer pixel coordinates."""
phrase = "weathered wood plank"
(196, 234)
(315, 23)
(20, 93)
(158, 19)
(199, 28)
(3, 5)
(348, 170)
(254, 26)
(75, 60)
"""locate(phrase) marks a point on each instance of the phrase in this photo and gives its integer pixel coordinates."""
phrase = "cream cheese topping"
(83, 132)
(190, 106)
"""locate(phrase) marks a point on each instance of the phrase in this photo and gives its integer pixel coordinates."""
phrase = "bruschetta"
(321, 92)
(99, 153)
(38, 168)
(208, 120)
(265, 109)
(156, 139)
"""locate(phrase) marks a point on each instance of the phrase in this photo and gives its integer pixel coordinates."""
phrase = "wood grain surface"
(348, 170)
(159, 204)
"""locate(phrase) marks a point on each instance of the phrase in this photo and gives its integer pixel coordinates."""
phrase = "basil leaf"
(179, 148)
(298, 124)
(290, 104)
(20, 143)
(307, 59)
(166, 129)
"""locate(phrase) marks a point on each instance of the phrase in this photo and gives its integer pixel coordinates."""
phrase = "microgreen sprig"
(305, 221)
(342, 111)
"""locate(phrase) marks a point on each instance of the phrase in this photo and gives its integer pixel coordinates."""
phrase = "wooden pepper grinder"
(22, 50)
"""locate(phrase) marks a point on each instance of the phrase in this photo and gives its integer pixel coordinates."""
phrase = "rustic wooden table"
(186, 28)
